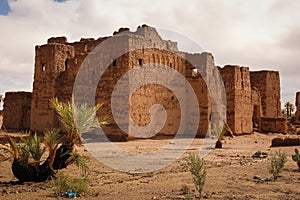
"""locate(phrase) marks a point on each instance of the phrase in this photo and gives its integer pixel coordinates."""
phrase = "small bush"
(296, 157)
(198, 172)
(277, 162)
(63, 182)
(185, 189)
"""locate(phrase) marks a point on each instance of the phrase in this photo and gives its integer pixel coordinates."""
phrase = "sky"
(262, 35)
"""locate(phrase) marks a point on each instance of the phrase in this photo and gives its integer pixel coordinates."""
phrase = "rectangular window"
(114, 62)
(43, 67)
(140, 62)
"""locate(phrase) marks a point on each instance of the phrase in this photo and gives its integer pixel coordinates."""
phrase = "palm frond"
(6, 148)
(77, 119)
(13, 145)
(34, 145)
(51, 142)
(80, 161)
(3, 158)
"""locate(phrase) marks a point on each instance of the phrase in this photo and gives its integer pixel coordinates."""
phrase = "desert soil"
(230, 175)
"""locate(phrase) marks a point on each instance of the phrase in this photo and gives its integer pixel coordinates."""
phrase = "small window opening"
(66, 64)
(114, 62)
(195, 72)
(172, 98)
(140, 62)
(171, 65)
(43, 67)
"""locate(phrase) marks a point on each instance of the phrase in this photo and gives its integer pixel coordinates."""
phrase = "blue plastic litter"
(70, 194)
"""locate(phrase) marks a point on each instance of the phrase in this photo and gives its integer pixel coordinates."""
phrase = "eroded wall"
(268, 84)
(250, 96)
(238, 91)
(16, 112)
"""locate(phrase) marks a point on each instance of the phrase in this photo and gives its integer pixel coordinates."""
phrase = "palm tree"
(289, 107)
(76, 120)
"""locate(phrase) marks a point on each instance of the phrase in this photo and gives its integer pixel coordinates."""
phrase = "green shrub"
(185, 189)
(296, 158)
(34, 145)
(198, 172)
(277, 162)
(63, 182)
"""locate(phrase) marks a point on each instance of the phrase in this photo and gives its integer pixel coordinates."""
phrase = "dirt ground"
(230, 175)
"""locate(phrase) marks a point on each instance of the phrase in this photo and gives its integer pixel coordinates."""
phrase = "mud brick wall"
(268, 84)
(238, 91)
(274, 125)
(257, 109)
(297, 104)
(205, 64)
(50, 60)
(249, 95)
(16, 112)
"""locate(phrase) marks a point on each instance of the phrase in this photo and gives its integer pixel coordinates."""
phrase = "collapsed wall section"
(274, 125)
(268, 84)
(16, 113)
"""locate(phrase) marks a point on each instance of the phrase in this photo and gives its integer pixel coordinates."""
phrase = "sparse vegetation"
(185, 189)
(63, 182)
(219, 133)
(277, 162)
(198, 172)
(296, 158)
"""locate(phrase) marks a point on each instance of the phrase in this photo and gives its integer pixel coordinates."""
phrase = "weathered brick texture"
(16, 112)
(250, 95)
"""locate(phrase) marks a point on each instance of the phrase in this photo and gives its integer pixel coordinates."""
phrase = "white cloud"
(262, 35)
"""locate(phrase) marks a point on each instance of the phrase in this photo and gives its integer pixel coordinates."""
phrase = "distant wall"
(16, 112)
(274, 125)
(268, 84)
(297, 114)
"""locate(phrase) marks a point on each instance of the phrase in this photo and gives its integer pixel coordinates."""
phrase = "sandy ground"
(230, 175)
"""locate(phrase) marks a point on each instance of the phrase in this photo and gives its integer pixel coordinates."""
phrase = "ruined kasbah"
(252, 97)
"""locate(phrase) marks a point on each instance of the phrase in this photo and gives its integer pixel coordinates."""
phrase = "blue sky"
(4, 7)
(258, 34)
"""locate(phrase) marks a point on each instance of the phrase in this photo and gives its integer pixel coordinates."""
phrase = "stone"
(276, 142)
(260, 154)
(287, 141)
(267, 179)
(256, 177)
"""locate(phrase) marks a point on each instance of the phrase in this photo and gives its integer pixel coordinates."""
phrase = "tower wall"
(238, 91)
(50, 60)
